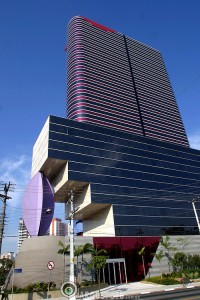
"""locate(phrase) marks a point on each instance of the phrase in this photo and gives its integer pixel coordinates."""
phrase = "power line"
(4, 197)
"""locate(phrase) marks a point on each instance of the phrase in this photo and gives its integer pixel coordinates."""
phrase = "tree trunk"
(160, 270)
(81, 271)
(77, 270)
(64, 269)
(143, 267)
(99, 282)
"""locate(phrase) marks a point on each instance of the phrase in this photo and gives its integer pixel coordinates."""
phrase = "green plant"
(97, 262)
(183, 242)
(34, 287)
(86, 248)
(77, 253)
(29, 288)
(80, 251)
(193, 261)
(166, 275)
(169, 249)
(179, 261)
(19, 290)
(39, 286)
(159, 256)
(142, 253)
(86, 283)
(5, 266)
(165, 281)
(191, 275)
(64, 250)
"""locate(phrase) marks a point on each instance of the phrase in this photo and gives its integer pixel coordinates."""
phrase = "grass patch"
(165, 281)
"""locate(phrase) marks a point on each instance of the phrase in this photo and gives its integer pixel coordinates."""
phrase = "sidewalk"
(135, 288)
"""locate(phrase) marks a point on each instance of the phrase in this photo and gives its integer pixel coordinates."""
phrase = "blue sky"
(33, 70)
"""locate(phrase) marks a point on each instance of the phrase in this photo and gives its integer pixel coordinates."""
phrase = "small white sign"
(50, 265)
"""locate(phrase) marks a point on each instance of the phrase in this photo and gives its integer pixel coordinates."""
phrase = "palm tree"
(77, 252)
(86, 248)
(142, 253)
(97, 262)
(65, 251)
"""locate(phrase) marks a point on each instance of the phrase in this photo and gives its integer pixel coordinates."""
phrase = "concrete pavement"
(136, 289)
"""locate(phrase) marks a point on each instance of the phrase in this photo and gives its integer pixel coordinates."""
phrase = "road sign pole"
(13, 281)
(49, 281)
(50, 266)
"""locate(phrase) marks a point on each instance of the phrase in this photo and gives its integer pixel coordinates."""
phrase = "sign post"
(15, 271)
(50, 266)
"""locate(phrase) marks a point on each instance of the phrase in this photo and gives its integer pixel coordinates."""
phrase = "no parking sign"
(50, 265)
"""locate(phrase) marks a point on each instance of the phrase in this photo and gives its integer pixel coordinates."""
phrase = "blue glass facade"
(149, 183)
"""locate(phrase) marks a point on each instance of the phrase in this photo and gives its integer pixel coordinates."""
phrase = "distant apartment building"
(22, 233)
(58, 228)
(8, 255)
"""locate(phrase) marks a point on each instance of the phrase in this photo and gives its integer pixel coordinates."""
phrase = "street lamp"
(195, 212)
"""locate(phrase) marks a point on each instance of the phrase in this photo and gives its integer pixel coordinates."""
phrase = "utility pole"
(4, 198)
(71, 238)
(69, 288)
(195, 212)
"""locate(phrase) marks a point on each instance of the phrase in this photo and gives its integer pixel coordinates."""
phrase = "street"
(177, 294)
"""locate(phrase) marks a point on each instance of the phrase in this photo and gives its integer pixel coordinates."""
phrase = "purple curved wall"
(37, 199)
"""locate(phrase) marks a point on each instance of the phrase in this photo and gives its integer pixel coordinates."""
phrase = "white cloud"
(17, 171)
(194, 140)
(14, 169)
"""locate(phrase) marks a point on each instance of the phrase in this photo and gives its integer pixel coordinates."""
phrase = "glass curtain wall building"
(123, 146)
(137, 185)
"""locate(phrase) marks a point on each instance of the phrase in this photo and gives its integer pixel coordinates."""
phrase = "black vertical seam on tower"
(134, 85)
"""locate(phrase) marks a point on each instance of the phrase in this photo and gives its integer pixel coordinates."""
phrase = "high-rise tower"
(120, 83)
(123, 148)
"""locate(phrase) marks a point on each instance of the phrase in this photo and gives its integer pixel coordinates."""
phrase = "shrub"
(191, 275)
(86, 283)
(159, 280)
(39, 286)
(179, 261)
(29, 288)
(168, 275)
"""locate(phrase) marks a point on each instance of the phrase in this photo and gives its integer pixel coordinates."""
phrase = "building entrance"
(115, 271)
